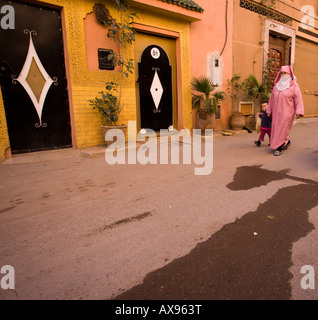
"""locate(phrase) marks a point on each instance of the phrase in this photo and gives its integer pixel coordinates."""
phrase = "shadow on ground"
(247, 259)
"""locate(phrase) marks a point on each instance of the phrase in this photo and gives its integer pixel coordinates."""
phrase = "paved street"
(75, 227)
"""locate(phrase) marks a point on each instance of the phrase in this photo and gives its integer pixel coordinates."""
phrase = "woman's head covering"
(285, 82)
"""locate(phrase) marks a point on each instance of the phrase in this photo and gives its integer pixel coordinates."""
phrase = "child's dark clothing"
(266, 127)
(266, 123)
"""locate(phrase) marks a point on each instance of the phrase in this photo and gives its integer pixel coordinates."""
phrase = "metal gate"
(33, 80)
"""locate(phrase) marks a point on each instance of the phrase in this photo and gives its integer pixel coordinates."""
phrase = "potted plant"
(236, 88)
(259, 91)
(109, 107)
(109, 103)
(205, 101)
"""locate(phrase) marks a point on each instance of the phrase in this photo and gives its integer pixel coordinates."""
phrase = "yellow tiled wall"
(87, 120)
(4, 139)
(85, 85)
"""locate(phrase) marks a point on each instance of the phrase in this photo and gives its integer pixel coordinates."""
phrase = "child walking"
(266, 125)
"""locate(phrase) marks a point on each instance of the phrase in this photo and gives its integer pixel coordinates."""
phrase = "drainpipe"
(225, 27)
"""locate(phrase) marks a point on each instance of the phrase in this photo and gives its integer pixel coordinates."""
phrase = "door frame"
(68, 74)
(286, 32)
(176, 36)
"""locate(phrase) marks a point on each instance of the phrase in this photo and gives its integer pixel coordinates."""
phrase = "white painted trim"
(282, 29)
(215, 75)
(156, 90)
(32, 54)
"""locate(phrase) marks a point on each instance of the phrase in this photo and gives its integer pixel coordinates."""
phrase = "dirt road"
(77, 228)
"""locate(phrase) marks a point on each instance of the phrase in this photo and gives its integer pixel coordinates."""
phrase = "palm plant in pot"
(205, 100)
(260, 91)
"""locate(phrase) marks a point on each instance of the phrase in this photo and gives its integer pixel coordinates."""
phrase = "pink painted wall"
(208, 36)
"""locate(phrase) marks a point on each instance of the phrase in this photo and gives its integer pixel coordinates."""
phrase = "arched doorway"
(156, 88)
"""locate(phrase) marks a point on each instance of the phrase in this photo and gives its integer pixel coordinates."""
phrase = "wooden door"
(276, 55)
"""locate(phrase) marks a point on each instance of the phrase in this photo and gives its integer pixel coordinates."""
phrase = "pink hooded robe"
(283, 106)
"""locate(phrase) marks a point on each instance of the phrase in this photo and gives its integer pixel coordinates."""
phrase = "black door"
(155, 89)
(33, 79)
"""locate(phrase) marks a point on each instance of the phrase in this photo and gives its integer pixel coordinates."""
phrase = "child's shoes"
(257, 142)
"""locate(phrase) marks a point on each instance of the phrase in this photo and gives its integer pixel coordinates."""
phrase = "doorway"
(33, 80)
(279, 46)
(278, 54)
(156, 88)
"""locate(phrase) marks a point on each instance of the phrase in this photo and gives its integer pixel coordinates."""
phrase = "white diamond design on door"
(34, 79)
(156, 90)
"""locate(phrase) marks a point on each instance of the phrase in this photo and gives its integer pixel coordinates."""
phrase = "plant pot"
(205, 122)
(237, 120)
(122, 127)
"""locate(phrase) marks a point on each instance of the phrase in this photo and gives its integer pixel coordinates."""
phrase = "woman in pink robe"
(285, 103)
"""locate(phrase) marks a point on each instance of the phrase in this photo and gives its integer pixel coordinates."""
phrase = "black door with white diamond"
(33, 79)
(155, 89)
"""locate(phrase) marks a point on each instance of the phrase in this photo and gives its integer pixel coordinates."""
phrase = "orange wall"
(208, 36)
(96, 37)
